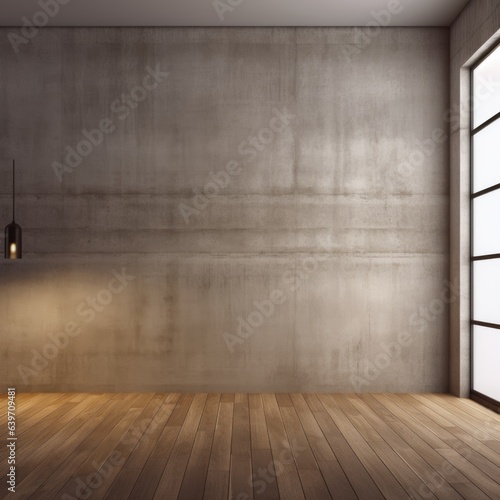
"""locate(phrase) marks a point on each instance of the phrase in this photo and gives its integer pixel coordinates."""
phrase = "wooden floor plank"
(148, 479)
(475, 406)
(284, 401)
(264, 483)
(240, 477)
(360, 480)
(166, 442)
(287, 475)
(334, 476)
(258, 428)
(240, 484)
(154, 422)
(171, 480)
(335, 479)
(485, 483)
(102, 461)
(209, 418)
(193, 483)
(241, 444)
(35, 413)
(138, 434)
(433, 480)
(216, 485)
(410, 481)
(419, 424)
(313, 402)
(99, 427)
(220, 458)
(469, 446)
(44, 429)
(60, 447)
(314, 485)
(319, 445)
(481, 430)
(483, 420)
(69, 431)
(302, 453)
(414, 432)
(181, 410)
(255, 446)
(379, 472)
(123, 484)
(25, 402)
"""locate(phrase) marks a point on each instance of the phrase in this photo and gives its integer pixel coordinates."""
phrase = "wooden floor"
(260, 446)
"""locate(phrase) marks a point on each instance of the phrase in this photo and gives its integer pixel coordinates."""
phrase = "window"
(485, 234)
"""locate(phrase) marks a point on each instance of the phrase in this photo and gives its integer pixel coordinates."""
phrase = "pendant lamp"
(13, 232)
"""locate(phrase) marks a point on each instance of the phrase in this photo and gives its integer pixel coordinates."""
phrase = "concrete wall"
(339, 215)
(474, 32)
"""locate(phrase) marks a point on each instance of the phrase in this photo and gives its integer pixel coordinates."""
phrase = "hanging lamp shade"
(13, 241)
(13, 232)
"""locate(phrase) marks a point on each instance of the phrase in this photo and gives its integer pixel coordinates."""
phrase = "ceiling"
(234, 12)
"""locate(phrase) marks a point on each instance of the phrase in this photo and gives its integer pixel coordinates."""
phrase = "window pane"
(487, 157)
(486, 224)
(487, 361)
(487, 291)
(486, 89)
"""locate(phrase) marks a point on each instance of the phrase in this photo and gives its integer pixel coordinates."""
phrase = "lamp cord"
(13, 190)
